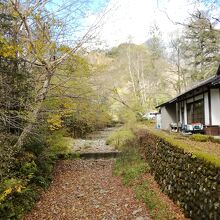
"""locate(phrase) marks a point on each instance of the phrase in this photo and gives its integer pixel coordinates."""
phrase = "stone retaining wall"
(191, 182)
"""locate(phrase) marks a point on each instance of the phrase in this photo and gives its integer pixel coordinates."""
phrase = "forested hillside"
(141, 77)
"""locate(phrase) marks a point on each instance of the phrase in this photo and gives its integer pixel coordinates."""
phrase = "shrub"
(90, 119)
(201, 137)
(35, 145)
(58, 144)
(28, 169)
(17, 203)
(7, 155)
(8, 187)
(45, 163)
(17, 195)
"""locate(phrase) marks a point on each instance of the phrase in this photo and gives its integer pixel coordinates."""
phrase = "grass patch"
(216, 140)
(120, 137)
(131, 167)
(159, 210)
(201, 137)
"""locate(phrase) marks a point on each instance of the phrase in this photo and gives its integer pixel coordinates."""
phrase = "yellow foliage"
(67, 105)
(6, 49)
(14, 14)
(5, 194)
(18, 188)
(10, 190)
(55, 122)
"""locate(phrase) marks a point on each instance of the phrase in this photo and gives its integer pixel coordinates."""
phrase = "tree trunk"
(130, 72)
(34, 116)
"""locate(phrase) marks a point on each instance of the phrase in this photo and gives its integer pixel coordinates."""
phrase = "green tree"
(15, 86)
(202, 46)
(155, 43)
(137, 79)
(179, 77)
(73, 102)
(40, 33)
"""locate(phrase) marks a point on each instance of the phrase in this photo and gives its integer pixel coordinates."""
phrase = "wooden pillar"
(210, 108)
(193, 119)
(177, 115)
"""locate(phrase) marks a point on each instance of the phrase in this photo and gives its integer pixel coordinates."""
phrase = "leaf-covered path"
(86, 189)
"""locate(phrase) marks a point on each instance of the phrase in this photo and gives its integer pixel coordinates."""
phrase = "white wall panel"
(168, 115)
(206, 106)
(215, 106)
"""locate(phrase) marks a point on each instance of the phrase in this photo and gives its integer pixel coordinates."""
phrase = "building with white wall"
(200, 104)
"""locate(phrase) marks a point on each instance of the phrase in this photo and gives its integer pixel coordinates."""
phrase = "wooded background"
(53, 87)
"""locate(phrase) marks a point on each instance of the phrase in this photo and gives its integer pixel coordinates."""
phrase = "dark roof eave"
(214, 80)
(168, 102)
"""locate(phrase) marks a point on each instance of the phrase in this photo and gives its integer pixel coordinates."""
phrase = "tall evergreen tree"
(15, 85)
(202, 46)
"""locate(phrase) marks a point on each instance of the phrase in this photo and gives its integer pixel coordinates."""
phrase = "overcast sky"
(133, 19)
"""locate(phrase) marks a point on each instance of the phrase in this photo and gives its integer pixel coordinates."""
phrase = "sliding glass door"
(195, 112)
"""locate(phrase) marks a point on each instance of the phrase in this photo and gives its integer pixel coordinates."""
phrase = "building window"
(195, 112)
(189, 113)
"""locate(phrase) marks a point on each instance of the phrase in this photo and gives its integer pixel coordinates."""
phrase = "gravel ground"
(95, 142)
(86, 189)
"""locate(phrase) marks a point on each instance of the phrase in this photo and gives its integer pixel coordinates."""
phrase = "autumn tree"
(73, 102)
(45, 83)
(40, 34)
